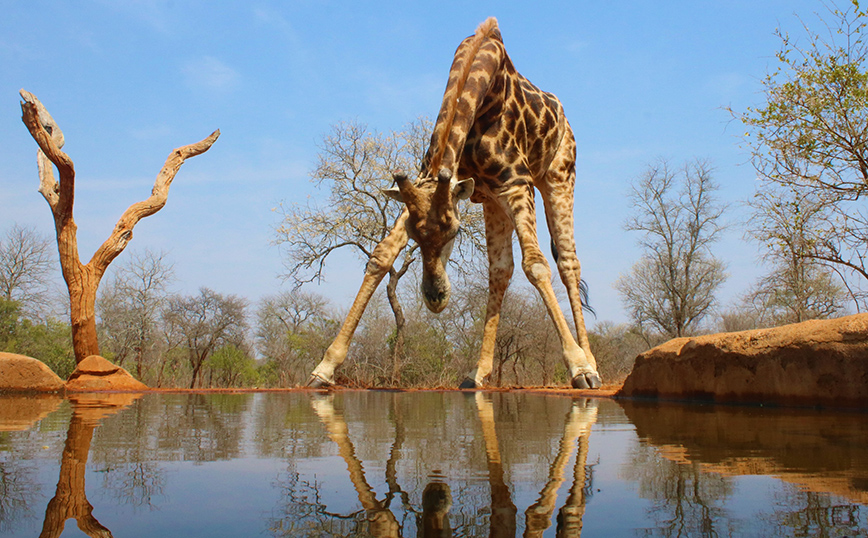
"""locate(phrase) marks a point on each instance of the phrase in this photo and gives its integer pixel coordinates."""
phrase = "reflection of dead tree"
(69, 499)
(17, 491)
(81, 279)
(135, 484)
(686, 500)
(579, 420)
(808, 513)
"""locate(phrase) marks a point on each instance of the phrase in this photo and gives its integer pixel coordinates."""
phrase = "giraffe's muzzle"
(435, 293)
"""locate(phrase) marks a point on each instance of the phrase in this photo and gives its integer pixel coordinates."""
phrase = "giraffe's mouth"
(435, 293)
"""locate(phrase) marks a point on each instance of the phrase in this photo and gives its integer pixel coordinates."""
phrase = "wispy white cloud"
(273, 18)
(726, 86)
(154, 132)
(211, 74)
(154, 13)
(574, 46)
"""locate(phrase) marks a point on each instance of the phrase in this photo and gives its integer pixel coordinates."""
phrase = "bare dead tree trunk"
(82, 280)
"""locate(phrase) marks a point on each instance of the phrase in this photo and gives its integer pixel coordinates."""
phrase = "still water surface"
(425, 464)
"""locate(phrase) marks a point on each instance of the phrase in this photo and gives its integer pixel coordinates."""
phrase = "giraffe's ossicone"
(497, 138)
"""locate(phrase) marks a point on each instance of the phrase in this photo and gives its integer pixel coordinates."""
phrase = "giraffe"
(497, 138)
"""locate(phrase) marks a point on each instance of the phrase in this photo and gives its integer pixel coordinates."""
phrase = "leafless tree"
(203, 323)
(671, 288)
(82, 280)
(525, 341)
(617, 345)
(798, 286)
(25, 268)
(354, 164)
(129, 308)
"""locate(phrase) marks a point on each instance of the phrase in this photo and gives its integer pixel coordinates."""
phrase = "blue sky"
(128, 81)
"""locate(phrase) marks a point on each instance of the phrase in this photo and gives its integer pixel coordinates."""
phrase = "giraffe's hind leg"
(518, 202)
(498, 236)
(557, 194)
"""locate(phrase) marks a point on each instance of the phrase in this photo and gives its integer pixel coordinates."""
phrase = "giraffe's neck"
(477, 62)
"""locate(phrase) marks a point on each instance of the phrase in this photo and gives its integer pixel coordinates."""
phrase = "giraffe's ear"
(394, 193)
(463, 189)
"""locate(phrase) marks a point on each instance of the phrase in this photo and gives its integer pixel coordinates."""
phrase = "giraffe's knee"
(500, 275)
(537, 271)
(378, 264)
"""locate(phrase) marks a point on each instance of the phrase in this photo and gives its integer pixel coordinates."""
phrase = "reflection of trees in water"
(286, 427)
(687, 502)
(302, 512)
(70, 500)
(137, 484)
(806, 513)
(28, 427)
(18, 490)
(162, 428)
(176, 427)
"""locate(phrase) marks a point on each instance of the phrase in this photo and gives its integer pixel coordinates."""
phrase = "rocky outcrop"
(95, 373)
(820, 362)
(19, 373)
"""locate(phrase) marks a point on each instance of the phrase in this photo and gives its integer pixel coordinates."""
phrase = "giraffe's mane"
(484, 30)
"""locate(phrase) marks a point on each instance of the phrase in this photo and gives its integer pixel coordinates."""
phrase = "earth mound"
(95, 373)
(817, 363)
(19, 373)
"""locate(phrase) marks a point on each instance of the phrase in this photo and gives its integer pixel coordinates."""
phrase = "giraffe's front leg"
(498, 235)
(381, 261)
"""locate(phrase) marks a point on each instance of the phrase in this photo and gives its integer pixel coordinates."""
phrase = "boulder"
(19, 373)
(95, 373)
(816, 363)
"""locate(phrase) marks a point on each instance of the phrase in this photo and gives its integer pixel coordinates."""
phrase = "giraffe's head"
(433, 223)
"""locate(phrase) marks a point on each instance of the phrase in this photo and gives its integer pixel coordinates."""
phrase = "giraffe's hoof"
(316, 382)
(468, 384)
(588, 380)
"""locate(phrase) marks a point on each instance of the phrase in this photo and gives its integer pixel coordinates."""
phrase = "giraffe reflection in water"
(70, 500)
(433, 521)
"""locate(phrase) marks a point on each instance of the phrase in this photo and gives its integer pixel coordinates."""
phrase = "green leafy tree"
(233, 367)
(293, 328)
(810, 137)
(48, 340)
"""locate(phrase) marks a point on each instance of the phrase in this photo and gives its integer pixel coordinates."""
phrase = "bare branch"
(49, 137)
(123, 230)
